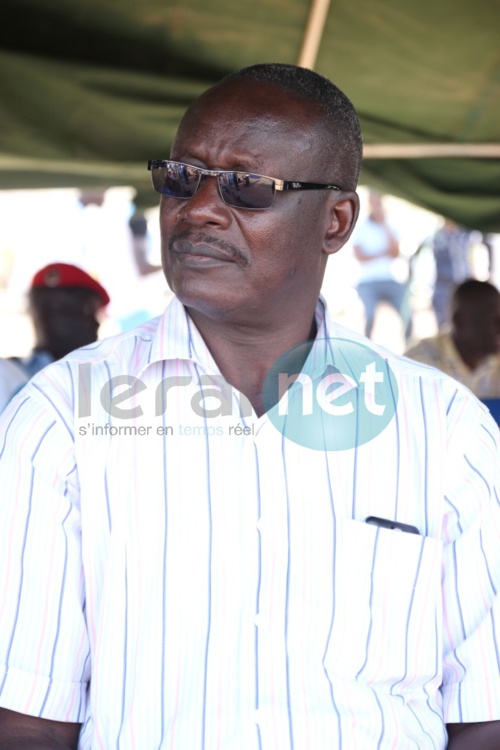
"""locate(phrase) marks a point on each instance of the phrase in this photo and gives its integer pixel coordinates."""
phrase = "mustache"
(209, 239)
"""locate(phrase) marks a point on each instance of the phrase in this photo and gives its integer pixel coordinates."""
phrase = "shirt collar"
(177, 338)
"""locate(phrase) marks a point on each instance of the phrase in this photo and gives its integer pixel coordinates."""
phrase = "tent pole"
(313, 33)
(431, 150)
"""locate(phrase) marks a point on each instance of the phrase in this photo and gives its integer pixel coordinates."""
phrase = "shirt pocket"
(386, 626)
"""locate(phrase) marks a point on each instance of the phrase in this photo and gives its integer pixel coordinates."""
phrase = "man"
(186, 575)
(376, 247)
(470, 350)
(64, 303)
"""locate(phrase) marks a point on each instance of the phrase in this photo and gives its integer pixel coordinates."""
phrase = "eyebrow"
(240, 166)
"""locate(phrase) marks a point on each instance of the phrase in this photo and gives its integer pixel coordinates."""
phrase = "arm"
(391, 250)
(393, 245)
(483, 736)
(471, 579)
(44, 649)
(360, 255)
(22, 732)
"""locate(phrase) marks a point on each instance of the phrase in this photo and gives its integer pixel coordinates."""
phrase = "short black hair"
(341, 120)
(471, 290)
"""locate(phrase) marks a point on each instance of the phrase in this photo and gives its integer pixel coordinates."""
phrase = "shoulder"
(57, 390)
(427, 346)
(400, 363)
(417, 380)
(136, 341)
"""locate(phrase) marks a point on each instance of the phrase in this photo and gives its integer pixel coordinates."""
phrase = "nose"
(206, 206)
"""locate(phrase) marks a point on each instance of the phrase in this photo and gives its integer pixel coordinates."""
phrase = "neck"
(245, 354)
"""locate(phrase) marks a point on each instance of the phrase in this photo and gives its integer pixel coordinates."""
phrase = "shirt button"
(259, 524)
(257, 717)
(257, 620)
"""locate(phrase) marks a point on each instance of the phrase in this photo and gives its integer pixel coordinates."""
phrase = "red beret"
(63, 275)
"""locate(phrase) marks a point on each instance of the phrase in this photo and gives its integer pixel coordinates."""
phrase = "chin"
(205, 296)
(210, 308)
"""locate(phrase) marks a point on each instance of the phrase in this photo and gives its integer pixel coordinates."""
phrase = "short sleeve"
(44, 650)
(471, 566)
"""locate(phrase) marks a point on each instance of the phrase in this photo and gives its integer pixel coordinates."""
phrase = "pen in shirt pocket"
(388, 523)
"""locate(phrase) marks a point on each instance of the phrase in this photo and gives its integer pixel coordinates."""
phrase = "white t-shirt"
(371, 238)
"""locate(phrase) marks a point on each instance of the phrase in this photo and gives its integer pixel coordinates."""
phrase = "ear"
(342, 214)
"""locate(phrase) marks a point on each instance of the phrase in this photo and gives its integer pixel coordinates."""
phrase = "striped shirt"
(172, 583)
(440, 351)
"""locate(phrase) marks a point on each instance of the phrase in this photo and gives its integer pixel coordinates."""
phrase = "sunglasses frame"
(280, 185)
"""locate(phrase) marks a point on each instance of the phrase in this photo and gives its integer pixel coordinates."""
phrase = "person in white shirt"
(376, 247)
(198, 552)
(469, 351)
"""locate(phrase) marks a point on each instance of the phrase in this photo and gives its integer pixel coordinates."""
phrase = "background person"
(376, 246)
(112, 239)
(452, 250)
(64, 304)
(248, 603)
(469, 350)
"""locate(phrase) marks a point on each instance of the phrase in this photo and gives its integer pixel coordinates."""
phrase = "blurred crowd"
(418, 283)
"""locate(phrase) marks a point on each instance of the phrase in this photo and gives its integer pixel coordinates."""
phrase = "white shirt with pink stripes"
(177, 582)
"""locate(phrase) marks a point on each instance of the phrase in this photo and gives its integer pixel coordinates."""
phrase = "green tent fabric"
(92, 89)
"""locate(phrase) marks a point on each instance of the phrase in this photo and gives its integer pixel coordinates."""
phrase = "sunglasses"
(237, 189)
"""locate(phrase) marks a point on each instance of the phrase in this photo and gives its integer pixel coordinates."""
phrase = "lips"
(200, 252)
(202, 249)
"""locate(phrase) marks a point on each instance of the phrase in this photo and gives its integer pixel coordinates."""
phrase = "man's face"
(247, 265)
(65, 318)
(480, 326)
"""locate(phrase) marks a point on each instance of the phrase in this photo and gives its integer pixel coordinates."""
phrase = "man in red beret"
(64, 303)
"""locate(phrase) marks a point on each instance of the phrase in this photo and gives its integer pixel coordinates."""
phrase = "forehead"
(251, 121)
(479, 306)
(492, 304)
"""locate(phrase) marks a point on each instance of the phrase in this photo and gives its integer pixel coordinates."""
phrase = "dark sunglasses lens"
(243, 190)
(176, 180)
